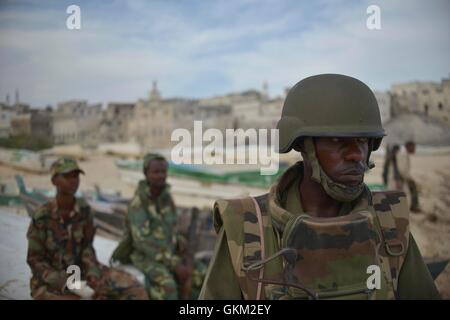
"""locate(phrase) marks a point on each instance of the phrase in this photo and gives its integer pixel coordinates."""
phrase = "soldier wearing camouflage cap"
(320, 232)
(64, 165)
(151, 242)
(60, 235)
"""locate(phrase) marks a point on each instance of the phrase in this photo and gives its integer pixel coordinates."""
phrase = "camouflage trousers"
(414, 206)
(198, 275)
(160, 282)
(113, 285)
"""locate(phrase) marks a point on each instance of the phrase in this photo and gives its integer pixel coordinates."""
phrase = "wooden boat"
(26, 160)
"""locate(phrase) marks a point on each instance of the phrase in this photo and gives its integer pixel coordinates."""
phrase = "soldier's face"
(67, 183)
(157, 173)
(343, 159)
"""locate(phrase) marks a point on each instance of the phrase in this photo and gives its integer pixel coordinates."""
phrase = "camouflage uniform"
(151, 224)
(327, 263)
(54, 244)
(400, 171)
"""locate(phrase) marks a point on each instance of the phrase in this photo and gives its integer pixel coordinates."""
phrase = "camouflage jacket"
(151, 224)
(55, 244)
(240, 243)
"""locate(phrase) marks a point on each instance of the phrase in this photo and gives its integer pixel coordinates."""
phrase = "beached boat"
(201, 185)
(26, 160)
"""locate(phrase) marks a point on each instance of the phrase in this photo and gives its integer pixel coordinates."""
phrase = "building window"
(440, 106)
(426, 109)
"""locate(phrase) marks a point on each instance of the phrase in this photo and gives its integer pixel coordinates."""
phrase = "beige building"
(77, 122)
(114, 124)
(36, 122)
(155, 119)
(431, 99)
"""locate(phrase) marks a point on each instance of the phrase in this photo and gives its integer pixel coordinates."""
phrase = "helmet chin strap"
(335, 190)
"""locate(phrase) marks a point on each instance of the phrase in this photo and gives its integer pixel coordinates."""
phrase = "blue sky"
(207, 48)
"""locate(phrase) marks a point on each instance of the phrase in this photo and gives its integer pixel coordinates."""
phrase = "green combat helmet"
(329, 105)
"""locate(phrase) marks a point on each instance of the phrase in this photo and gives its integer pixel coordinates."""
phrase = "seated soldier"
(151, 242)
(60, 235)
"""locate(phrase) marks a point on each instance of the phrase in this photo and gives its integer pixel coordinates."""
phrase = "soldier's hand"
(93, 282)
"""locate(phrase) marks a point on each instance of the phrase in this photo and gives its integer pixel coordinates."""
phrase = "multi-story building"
(155, 119)
(36, 122)
(77, 122)
(115, 120)
(6, 115)
(430, 99)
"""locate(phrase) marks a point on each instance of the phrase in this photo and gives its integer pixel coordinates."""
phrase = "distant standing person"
(151, 242)
(399, 176)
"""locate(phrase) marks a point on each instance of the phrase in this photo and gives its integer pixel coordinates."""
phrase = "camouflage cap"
(150, 157)
(64, 165)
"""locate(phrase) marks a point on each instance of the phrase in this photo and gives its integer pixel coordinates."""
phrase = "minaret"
(265, 89)
(7, 99)
(154, 93)
(17, 97)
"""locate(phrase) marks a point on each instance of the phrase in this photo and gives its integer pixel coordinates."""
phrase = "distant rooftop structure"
(155, 95)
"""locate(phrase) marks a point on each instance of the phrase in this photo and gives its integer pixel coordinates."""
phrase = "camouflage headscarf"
(335, 190)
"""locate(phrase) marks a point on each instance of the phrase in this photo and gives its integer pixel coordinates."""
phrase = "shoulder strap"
(246, 242)
(261, 245)
(392, 214)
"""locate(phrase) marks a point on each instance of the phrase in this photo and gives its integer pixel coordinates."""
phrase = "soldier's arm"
(415, 281)
(180, 239)
(220, 280)
(37, 258)
(142, 237)
(88, 257)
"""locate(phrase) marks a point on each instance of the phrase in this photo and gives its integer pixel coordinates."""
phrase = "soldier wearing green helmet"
(320, 233)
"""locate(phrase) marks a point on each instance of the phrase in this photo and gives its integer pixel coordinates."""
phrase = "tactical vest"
(251, 237)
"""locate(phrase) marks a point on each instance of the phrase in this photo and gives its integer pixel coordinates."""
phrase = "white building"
(6, 114)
